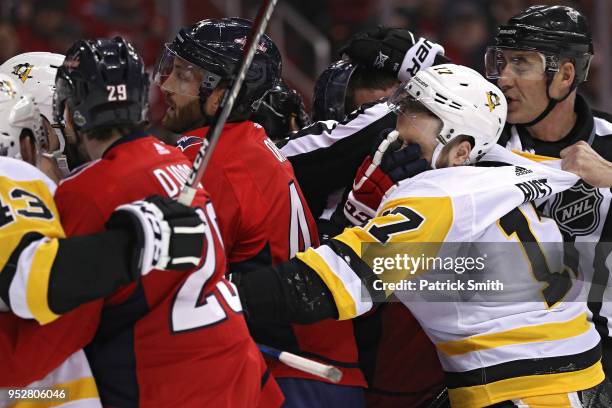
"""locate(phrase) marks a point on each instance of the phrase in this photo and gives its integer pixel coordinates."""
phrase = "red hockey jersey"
(398, 359)
(173, 339)
(264, 221)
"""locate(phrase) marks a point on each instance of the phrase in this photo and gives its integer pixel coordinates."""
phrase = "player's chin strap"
(552, 102)
(61, 161)
(58, 156)
(436, 155)
(377, 158)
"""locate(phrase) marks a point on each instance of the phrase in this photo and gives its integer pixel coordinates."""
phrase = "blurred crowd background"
(309, 32)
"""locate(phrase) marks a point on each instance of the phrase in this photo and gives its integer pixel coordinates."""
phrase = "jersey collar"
(125, 139)
(201, 131)
(581, 131)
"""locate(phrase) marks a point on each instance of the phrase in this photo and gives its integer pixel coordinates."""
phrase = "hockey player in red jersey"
(261, 211)
(170, 339)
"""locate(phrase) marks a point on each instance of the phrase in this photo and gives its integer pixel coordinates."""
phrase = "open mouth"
(511, 100)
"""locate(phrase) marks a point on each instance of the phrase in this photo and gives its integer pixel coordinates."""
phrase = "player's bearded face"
(522, 79)
(182, 94)
(183, 112)
(75, 151)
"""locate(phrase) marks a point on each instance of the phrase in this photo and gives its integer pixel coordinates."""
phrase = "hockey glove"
(168, 234)
(378, 175)
(394, 50)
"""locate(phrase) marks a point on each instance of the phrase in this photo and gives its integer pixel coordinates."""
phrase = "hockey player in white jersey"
(35, 72)
(513, 353)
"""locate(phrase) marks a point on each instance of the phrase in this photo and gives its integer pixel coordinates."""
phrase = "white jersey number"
(299, 234)
(189, 310)
(117, 92)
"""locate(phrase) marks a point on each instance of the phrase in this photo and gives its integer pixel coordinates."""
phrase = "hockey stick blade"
(227, 103)
(306, 365)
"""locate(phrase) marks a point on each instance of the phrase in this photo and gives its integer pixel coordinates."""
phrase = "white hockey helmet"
(36, 72)
(18, 112)
(465, 102)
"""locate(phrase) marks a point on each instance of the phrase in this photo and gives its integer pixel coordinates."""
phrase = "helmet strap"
(436, 155)
(204, 95)
(60, 160)
(552, 102)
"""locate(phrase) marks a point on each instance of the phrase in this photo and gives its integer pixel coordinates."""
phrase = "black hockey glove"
(395, 50)
(298, 110)
(168, 235)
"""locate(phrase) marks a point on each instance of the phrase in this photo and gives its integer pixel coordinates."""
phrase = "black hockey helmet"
(328, 101)
(104, 84)
(555, 31)
(215, 46)
(276, 108)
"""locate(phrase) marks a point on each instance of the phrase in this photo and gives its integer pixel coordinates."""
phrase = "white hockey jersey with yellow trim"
(492, 349)
(26, 206)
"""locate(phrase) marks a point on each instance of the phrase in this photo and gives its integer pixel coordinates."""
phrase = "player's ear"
(562, 81)
(460, 153)
(27, 147)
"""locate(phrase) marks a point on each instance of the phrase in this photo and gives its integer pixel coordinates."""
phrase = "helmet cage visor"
(273, 99)
(177, 75)
(330, 97)
(415, 122)
(522, 63)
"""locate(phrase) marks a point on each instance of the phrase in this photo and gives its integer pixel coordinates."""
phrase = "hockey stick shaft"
(441, 400)
(306, 365)
(226, 105)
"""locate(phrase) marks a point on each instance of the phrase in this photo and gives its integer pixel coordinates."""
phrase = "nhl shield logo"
(577, 210)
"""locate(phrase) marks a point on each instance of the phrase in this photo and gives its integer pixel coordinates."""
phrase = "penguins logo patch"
(492, 100)
(22, 71)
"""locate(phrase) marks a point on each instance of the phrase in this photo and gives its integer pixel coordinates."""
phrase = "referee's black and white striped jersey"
(326, 155)
(582, 212)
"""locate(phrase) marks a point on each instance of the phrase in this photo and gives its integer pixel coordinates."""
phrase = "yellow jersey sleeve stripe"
(354, 238)
(528, 334)
(556, 400)
(38, 281)
(343, 299)
(526, 386)
(81, 388)
(534, 157)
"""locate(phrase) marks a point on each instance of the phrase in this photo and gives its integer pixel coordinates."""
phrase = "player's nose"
(506, 79)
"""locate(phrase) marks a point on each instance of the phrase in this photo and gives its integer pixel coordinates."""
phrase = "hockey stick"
(226, 105)
(441, 400)
(306, 365)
